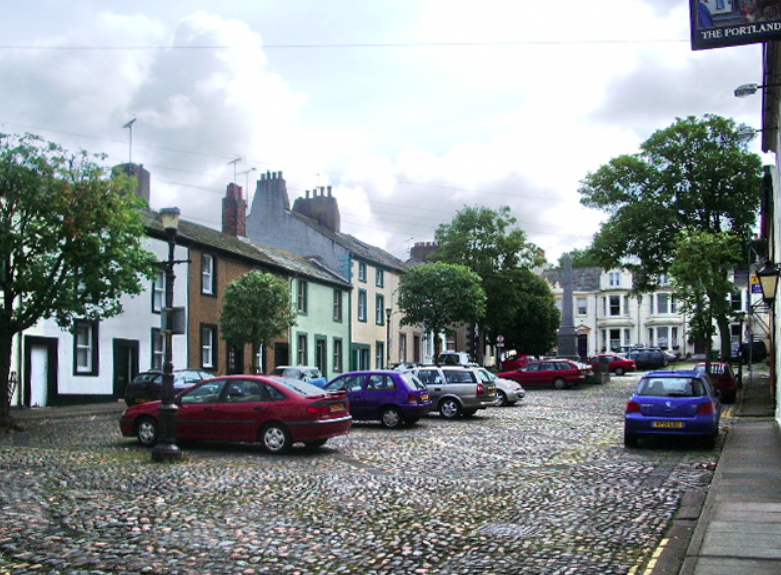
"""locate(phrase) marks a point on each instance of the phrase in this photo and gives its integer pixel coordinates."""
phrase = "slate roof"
(243, 249)
(361, 249)
(583, 279)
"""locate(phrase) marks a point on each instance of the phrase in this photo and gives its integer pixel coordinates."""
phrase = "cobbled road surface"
(542, 487)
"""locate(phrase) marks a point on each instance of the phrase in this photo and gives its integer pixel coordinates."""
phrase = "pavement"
(735, 529)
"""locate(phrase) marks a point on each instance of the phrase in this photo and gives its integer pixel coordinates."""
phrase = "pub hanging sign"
(720, 23)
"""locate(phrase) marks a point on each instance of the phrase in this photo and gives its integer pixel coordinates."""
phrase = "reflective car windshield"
(412, 381)
(299, 387)
(671, 387)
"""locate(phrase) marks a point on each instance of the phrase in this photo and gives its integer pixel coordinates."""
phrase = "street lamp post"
(166, 448)
(388, 312)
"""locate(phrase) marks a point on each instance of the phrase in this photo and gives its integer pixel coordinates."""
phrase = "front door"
(125, 364)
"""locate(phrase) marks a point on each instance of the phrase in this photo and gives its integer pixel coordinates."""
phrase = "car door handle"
(257, 408)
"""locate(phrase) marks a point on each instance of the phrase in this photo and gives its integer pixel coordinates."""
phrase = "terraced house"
(311, 229)
(95, 360)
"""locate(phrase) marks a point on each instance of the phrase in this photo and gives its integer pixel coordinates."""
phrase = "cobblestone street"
(543, 487)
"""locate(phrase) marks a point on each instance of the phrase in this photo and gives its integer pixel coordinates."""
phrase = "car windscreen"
(299, 387)
(671, 387)
(412, 381)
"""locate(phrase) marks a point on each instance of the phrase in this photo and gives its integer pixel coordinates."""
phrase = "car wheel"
(315, 444)
(275, 438)
(449, 408)
(619, 371)
(391, 418)
(630, 439)
(147, 432)
(559, 383)
(501, 398)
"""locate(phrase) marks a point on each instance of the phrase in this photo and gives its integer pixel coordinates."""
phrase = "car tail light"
(413, 398)
(633, 407)
(480, 390)
(318, 409)
(706, 408)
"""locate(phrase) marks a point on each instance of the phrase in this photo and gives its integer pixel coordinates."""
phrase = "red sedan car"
(617, 364)
(559, 373)
(275, 411)
(723, 379)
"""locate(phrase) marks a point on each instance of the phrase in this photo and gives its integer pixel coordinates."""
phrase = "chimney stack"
(234, 212)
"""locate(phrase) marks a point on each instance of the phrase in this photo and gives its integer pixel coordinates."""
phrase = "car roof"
(674, 373)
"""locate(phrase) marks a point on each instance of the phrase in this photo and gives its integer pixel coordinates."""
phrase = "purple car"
(390, 397)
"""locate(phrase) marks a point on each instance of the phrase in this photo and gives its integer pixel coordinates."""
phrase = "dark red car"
(517, 361)
(275, 411)
(616, 364)
(559, 373)
(723, 379)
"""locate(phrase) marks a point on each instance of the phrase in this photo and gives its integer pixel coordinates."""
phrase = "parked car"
(455, 390)
(508, 392)
(454, 358)
(307, 373)
(616, 364)
(673, 403)
(277, 412)
(517, 361)
(147, 385)
(392, 397)
(648, 358)
(723, 379)
(559, 373)
(754, 352)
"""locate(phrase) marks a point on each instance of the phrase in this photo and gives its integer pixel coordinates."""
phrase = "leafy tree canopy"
(256, 309)
(439, 296)
(486, 241)
(522, 308)
(701, 274)
(694, 175)
(585, 258)
(70, 240)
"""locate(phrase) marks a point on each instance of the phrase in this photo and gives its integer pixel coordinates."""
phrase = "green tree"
(701, 274)
(525, 311)
(696, 175)
(439, 296)
(70, 241)
(585, 258)
(489, 243)
(486, 241)
(256, 309)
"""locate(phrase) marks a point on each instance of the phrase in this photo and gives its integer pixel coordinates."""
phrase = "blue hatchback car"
(392, 397)
(673, 403)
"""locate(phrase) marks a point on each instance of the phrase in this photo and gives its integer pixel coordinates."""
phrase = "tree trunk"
(726, 338)
(6, 346)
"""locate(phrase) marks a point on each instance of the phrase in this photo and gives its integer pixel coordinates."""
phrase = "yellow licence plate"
(424, 396)
(337, 407)
(668, 424)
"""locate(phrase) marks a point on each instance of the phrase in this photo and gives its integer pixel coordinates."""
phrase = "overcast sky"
(410, 109)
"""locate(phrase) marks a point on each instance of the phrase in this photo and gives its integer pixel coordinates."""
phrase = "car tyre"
(275, 438)
(559, 383)
(630, 439)
(147, 432)
(391, 417)
(501, 398)
(619, 371)
(450, 408)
